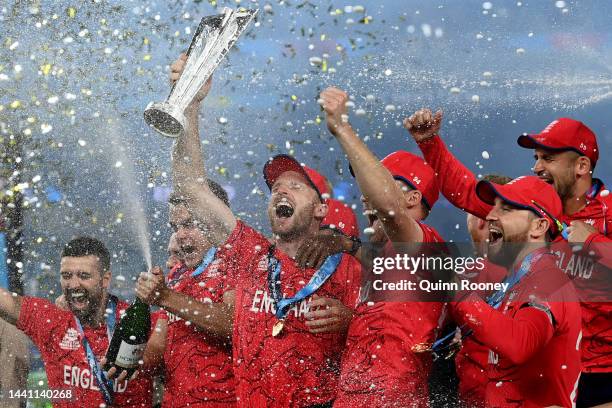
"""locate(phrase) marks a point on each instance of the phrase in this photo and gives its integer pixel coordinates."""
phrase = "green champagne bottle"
(126, 348)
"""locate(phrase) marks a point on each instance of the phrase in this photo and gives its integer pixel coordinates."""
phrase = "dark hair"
(217, 190)
(497, 178)
(85, 246)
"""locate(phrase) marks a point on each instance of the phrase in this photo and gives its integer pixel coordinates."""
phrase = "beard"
(506, 253)
(298, 225)
(564, 184)
(88, 303)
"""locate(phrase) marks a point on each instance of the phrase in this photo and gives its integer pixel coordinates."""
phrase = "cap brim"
(283, 163)
(529, 142)
(487, 192)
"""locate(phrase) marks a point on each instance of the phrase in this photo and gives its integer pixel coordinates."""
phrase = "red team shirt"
(472, 360)
(198, 370)
(585, 271)
(379, 368)
(534, 338)
(54, 332)
(296, 368)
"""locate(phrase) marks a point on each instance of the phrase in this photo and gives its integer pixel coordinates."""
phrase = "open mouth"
(495, 235)
(188, 250)
(371, 215)
(284, 209)
(78, 298)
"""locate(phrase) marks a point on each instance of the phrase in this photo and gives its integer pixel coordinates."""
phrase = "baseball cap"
(528, 193)
(564, 134)
(283, 163)
(415, 172)
(340, 217)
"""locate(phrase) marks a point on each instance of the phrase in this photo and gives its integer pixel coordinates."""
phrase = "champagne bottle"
(127, 346)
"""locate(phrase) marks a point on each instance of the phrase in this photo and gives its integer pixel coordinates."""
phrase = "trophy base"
(165, 119)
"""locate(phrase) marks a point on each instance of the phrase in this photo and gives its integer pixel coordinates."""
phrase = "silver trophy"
(213, 38)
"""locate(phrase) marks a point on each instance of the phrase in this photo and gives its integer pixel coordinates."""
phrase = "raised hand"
(333, 101)
(423, 125)
(176, 69)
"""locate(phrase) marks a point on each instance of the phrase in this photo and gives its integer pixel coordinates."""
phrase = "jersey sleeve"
(600, 246)
(36, 319)
(456, 182)
(516, 337)
(241, 246)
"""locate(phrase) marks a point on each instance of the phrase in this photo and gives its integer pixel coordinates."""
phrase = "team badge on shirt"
(70, 340)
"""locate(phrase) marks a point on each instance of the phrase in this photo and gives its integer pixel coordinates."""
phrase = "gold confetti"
(15, 104)
(46, 68)
(147, 57)
(293, 97)
(71, 12)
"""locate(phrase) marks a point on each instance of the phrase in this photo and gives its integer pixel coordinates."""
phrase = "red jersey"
(54, 332)
(459, 188)
(198, 370)
(533, 336)
(379, 368)
(472, 360)
(296, 368)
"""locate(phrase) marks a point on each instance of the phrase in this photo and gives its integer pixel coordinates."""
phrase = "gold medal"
(421, 347)
(277, 328)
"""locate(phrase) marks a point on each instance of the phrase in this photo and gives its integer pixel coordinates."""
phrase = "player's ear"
(321, 210)
(413, 198)
(106, 279)
(539, 227)
(583, 166)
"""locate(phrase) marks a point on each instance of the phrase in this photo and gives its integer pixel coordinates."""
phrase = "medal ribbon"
(208, 258)
(316, 281)
(106, 385)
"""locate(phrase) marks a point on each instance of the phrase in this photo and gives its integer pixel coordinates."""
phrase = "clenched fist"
(423, 125)
(151, 286)
(333, 101)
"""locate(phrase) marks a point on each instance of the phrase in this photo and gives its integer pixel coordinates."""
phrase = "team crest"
(70, 340)
(263, 263)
